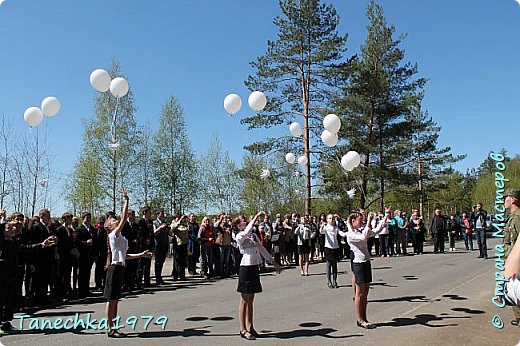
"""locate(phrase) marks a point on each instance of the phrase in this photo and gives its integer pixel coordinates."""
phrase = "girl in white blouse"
(252, 252)
(115, 272)
(357, 238)
(331, 231)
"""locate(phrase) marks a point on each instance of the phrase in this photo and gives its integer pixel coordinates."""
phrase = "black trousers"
(85, 267)
(192, 261)
(7, 294)
(130, 274)
(64, 273)
(40, 280)
(99, 274)
(160, 257)
(418, 242)
(438, 242)
(179, 261)
(143, 271)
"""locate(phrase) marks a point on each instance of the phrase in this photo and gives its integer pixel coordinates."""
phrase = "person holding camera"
(479, 228)
(162, 243)
(179, 229)
(224, 238)
(304, 241)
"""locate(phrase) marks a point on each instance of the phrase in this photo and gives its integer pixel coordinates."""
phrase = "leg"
(328, 267)
(335, 273)
(301, 264)
(249, 320)
(306, 261)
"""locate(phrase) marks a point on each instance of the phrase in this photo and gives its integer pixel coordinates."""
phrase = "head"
(438, 212)
(330, 219)
(67, 218)
(512, 201)
(86, 218)
(479, 206)
(101, 220)
(278, 217)
(11, 230)
(159, 215)
(45, 215)
(191, 218)
(75, 222)
(356, 219)
(111, 224)
(266, 218)
(415, 212)
(131, 215)
(452, 216)
(146, 212)
(205, 221)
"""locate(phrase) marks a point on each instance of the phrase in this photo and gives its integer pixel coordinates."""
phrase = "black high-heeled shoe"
(366, 325)
(247, 335)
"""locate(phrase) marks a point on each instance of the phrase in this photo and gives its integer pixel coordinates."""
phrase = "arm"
(243, 234)
(124, 215)
(381, 225)
(512, 265)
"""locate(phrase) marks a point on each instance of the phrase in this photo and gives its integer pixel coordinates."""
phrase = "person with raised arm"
(252, 252)
(357, 238)
(118, 246)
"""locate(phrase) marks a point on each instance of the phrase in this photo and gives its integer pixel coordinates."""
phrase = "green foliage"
(173, 165)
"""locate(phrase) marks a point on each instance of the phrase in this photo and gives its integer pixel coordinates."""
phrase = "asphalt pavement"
(430, 299)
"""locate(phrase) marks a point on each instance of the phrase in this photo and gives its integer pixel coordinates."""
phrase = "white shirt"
(304, 234)
(331, 235)
(358, 241)
(118, 247)
(251, 248)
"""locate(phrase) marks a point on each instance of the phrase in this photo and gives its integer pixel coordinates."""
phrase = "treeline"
(306, 74)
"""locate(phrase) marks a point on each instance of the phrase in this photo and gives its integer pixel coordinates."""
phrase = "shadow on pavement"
(411, 299)
(422, 319)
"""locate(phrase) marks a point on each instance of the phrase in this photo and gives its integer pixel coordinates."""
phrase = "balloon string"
(114, 119)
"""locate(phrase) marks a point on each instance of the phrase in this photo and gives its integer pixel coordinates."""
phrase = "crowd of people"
(46, 258)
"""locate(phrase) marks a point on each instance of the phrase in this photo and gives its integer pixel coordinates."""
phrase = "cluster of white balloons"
(257, 102)
(332, 124)
(50, 106)
(101, 81)
(350, 160)
(291, 159)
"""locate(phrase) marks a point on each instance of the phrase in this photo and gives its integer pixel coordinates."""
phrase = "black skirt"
(304, 249)
(362, 272)
(114, 282)
(249, 280)
(331, 255)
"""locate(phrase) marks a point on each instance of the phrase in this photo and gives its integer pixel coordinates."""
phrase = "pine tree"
(379, 92)
(296, 73)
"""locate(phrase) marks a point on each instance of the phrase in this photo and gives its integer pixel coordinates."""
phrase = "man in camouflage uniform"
(511, 230)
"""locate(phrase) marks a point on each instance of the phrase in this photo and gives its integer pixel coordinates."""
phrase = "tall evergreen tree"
(379, 91)
(296, 73)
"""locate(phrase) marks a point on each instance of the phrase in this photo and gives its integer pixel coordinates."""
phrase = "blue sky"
(200, 51)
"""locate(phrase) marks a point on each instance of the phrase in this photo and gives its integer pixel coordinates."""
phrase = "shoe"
(254, 333)
(116, 333)
(247, 335)
(514, 322)
(8, 328)
(329, 285)
(365, 325)
(335, 285)
(480, 256)
(486, 257)
(382, 256)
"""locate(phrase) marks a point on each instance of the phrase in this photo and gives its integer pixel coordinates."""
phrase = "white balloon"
(232, 103)
(346, 164)
(119, 87)
(100, 80)
(330, 139)
(353, 157)
(302, 160)
(290, 158)
(296, 129)
(50, 106)
(33, 116)
(332, 123)
(257, 101)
